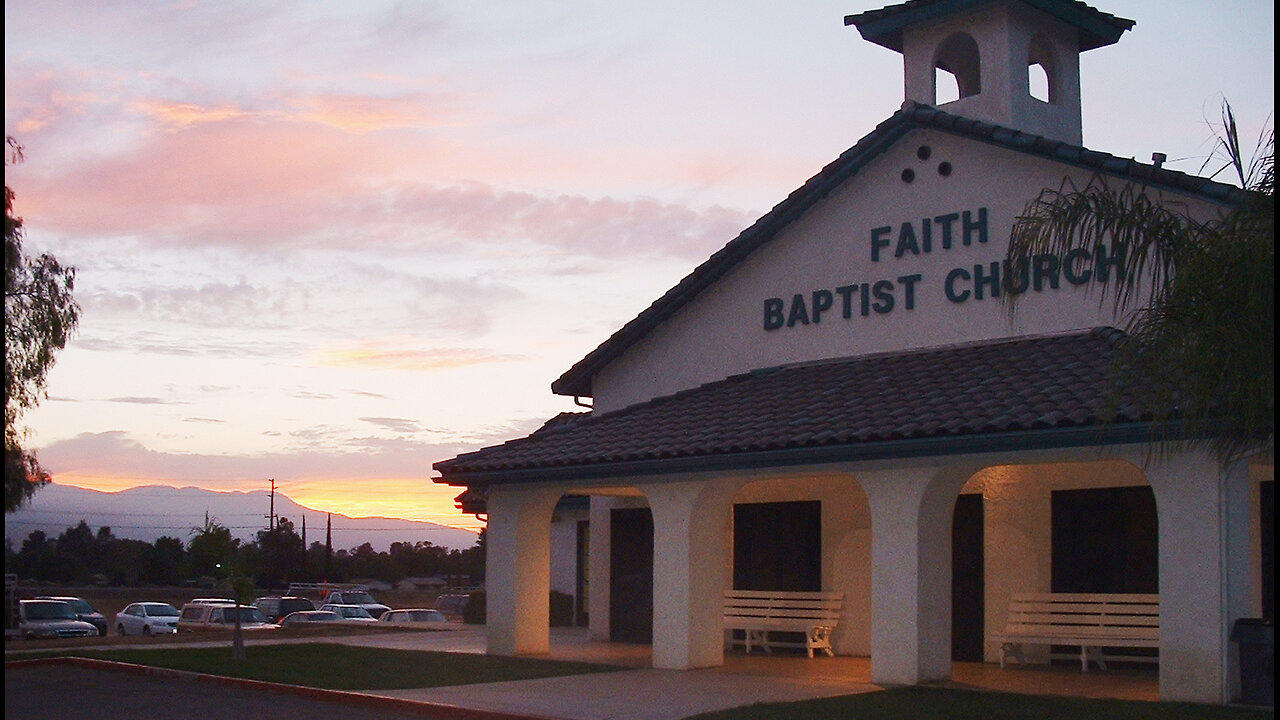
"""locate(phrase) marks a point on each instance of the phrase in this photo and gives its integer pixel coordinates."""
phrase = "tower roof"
(884, 26)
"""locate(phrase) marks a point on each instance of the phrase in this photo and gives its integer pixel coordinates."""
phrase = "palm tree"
(1204, 341)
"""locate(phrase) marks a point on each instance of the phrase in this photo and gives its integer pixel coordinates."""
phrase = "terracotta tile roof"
(576, 380)
(884, 26)
(1046, 382)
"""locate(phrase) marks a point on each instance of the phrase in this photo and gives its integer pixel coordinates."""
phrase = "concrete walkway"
(643, 693)
(630, 694)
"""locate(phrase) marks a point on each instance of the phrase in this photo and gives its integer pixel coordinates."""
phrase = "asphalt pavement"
(74, 693)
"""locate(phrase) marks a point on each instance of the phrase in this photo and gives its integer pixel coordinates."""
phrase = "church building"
(841, 400)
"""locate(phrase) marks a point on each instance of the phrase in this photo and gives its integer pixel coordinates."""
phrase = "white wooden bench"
(760, 612)
(1092, 621)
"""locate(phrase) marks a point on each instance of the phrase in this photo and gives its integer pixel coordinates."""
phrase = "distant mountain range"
(149, 512)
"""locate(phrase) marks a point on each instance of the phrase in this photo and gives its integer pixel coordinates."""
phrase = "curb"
(346, 697)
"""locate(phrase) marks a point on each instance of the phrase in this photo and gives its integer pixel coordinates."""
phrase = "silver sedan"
(147, 618)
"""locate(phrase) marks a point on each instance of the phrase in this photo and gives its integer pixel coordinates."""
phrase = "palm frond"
(1199, 295)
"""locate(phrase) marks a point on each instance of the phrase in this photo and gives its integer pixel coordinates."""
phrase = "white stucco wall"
(721, 331)
(1003, 33)
(1017, 528)
(846, 547)
(564, 548)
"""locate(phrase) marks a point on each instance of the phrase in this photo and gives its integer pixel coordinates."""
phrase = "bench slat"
(1088, 620)
(759, 612)
(783, 594)
(1087, 597)
(1074, 607)
(1105, 620)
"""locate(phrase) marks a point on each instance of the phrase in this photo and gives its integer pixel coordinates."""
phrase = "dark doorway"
(1267, 531)
(967, 583)
(1105, 541)
(777, 546)
(580, 590)
(631, 575)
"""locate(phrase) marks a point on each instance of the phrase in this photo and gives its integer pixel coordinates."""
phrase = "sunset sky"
(333, 243)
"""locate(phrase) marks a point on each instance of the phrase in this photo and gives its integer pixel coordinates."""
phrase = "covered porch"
(887, 464)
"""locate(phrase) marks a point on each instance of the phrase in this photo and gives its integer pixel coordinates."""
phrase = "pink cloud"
(36, 100)
(392, 354)
(357, 114)
(231, 179)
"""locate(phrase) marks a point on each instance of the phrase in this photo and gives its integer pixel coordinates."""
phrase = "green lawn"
(947, 704)
(343, 667)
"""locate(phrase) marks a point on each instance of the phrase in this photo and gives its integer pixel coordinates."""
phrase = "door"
(777, 546)
(581, 587)
(1105, 540)
(967, 585)
(631, 575)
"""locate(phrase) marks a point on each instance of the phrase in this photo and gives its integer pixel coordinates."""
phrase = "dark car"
(276, 608)
(452, 605)
(83, 610)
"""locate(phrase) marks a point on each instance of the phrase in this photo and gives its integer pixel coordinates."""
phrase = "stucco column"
(1203, 513)
(692, 539)
(911, 512)
(598, 561)
(518, 570)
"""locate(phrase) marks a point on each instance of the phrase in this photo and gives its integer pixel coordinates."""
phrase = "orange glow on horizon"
(392, 354)
(401, 498)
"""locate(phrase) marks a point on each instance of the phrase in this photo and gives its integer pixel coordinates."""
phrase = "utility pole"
(328, 546)
(271, 517)
(304, 533)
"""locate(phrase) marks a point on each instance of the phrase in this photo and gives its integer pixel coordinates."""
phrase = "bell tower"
(992, 48)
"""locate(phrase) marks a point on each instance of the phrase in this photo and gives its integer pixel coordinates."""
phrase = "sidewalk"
(641, 693)
(644, 693)
(630, 694)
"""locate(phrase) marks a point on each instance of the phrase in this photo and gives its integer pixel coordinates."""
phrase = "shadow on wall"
(473, 613)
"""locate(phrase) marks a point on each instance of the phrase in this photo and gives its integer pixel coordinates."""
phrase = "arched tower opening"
(1042, 70)
(958, 58)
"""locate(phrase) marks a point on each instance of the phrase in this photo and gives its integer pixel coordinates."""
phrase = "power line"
(185, 514)
(142, 514)
(229, 527)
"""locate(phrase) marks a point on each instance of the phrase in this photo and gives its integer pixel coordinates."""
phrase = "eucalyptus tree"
(39, 316)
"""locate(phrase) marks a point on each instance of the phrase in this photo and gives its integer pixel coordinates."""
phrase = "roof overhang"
(577, 380)
(1019, 441)
(885, 26)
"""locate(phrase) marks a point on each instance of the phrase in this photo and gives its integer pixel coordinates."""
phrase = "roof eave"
(1097, 29)
(1037, 439)
(577, 380)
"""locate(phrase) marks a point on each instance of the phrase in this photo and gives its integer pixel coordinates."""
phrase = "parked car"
(147, 618)
(83, 610)
(310, 617)
(354, 597)
(350, 613)
(219, 616)
(452, 605)
(413, 615)
(275, 608)
(211, 601)
(50, 619)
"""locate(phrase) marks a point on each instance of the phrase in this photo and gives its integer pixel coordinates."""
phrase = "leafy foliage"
(1200, 289)
(39, 316)
(79, 556)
